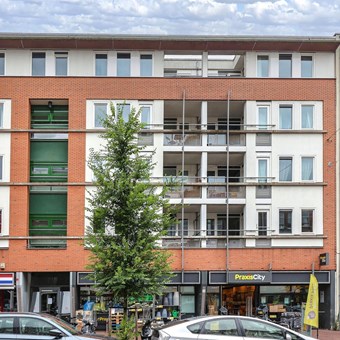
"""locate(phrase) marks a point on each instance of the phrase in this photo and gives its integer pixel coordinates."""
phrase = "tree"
(128, 214)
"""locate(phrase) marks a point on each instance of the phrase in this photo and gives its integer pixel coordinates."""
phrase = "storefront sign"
(250, 277)
(6, 280)
(324, 259)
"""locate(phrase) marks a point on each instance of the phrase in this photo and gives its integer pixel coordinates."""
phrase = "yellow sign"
(312, 305)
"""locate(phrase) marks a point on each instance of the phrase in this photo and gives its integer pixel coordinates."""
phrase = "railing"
(177, 139)
(221, 192)
(221, 139)
(47, 172)
(189, 192)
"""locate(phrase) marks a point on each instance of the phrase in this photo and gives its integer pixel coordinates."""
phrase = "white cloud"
(191, 17)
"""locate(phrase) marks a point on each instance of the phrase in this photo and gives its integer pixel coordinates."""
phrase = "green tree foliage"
(128, 214)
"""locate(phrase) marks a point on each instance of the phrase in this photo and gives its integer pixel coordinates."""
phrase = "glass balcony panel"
(177, 140)
(145, 138)
(221, 192)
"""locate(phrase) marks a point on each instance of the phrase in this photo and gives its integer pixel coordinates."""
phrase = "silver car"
(225, 327)
(25, 326)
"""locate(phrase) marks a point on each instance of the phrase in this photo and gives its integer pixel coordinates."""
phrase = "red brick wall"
(77, 90)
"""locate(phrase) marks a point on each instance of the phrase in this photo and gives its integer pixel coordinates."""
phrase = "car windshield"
(63, 324)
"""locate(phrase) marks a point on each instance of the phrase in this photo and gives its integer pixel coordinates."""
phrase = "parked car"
(25, 326)
(225, 327)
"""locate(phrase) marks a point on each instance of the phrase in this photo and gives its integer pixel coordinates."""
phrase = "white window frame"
(118, 66)
(2, 104)
(313, 169)
(291, 117)
(266, 159)
(259, 126)
(292, 220)
(313, 65)
(257, 220)
(257, 65)
(292, 172)
(313, 116)
(313, 224)
(140, 64)
(141, 105)
(94, 113)
(3, 52)
(95, 63)
(2, 167)
(60, 55)
(291, 64)
(45, 66)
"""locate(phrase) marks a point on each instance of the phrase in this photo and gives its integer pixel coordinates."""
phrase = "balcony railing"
(47, 172)
(177, 139)
(221, 192)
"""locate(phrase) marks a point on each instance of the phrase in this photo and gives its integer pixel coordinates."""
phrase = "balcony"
(47, 172)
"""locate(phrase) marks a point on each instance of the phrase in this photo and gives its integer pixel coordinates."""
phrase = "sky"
(172, 17)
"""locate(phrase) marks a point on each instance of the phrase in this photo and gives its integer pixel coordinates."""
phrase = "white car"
(27, 326)
(225, 327)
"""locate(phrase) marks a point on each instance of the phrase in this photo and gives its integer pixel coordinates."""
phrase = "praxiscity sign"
(247, 277)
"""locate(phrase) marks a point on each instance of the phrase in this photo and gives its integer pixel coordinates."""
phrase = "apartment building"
(248, 124)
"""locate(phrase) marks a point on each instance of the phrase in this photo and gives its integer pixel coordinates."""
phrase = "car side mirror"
(288, 336)
(56, 333)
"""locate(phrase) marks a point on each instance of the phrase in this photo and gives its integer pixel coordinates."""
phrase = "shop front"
(269, 293)
(7, 292)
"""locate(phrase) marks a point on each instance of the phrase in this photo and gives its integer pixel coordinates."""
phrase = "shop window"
(61, 59)
(285, 217)
(38, 63)
(2, 64)
(123, 65)
(307, 220)
(101, 65)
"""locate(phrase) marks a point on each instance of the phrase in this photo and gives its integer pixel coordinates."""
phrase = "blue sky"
(172, 17)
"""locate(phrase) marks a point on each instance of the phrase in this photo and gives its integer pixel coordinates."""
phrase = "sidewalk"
(325, 334)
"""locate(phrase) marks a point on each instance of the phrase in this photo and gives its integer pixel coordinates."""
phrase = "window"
(101, 65)
(285, 169)
(307, 114)
(100, 113)
(263, 117)
(32, 326)
(210, 227)
(2, 64)
(170, 123)
(285, 112)
(61, 63)
(0, 227)
(307, 220)
(263, 170)
(125, 110)
(1, 115)
(307, 165)
(285, 217)
(38, 63)
(262, 66)
(223, 327)
(146, 116)
(262, 222)
(123, 64)
(285, 65)
(7, 326)
(146, 65)
(306, 66)
(1, 167)
(257, 329)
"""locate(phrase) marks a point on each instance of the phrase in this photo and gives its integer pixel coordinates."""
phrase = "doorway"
(49, 301)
